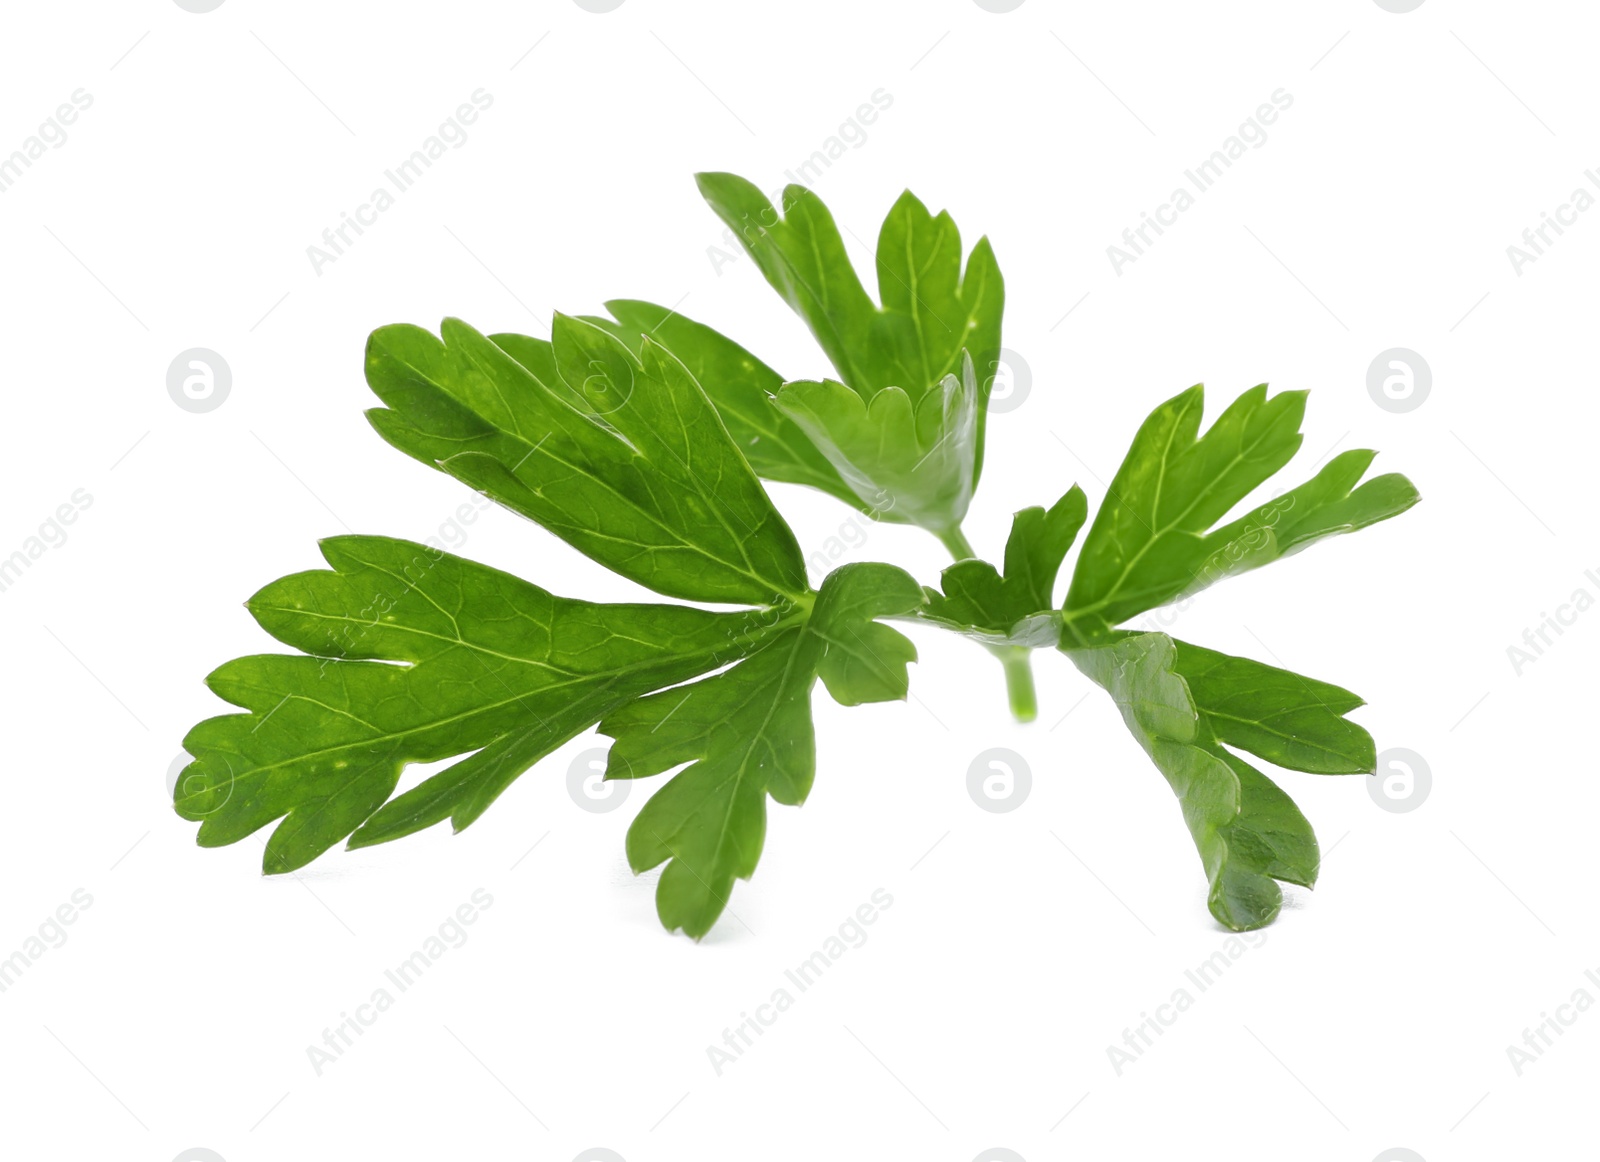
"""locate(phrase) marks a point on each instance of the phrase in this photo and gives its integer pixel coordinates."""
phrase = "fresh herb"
(641, 439)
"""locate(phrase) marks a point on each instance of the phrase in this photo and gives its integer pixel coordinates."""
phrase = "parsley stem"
(1015, 659)
(1019, 681)
(956, 541)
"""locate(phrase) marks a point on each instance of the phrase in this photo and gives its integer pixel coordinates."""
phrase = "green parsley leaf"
(487, 661)
(646, 481)
(862, 660)
(1019, 608)
(910, 457)
(932, 309)
(904, 424)
(1248, 832)
(748, 733)
(1278, 715)
(1152, 541)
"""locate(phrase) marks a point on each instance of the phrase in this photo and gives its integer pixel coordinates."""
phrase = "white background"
(1375, 1014)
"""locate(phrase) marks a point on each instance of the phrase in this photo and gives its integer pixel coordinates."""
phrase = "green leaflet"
(1152, 540)
(1283, 717)
(749, 730)
(863, 661)
(802, 255)
(1248, 832)
(740, 386)
(912, 458)
(1039, 541)
(748, 733)
(503, 672)
(490, 662)
(1018, 608)
(932, 309)
(647, 481)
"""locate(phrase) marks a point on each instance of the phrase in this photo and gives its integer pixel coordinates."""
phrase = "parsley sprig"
(641, 438)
